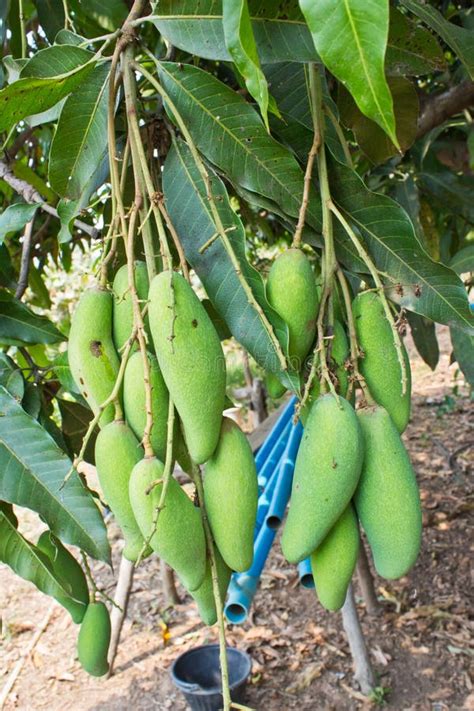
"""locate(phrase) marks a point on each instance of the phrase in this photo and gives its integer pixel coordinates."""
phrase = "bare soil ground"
(420, 643)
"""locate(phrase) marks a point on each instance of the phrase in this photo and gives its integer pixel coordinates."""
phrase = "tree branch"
(31, 195)
(438, 107)
(25, 259)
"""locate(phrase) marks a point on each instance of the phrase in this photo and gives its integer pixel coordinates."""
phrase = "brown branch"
(32, 196)
(25, 259)
(436, 108)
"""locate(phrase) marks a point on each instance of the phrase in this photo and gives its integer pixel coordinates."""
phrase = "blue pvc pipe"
(243, 586)
(274, 455)
(284, 480)
(305, 574)
(265, 499)
(274, 434)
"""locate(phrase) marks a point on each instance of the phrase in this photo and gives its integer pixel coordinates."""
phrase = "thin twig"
(25, 258)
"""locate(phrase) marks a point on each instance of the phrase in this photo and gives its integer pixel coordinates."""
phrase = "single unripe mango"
(327, 470)
(117, 450)
(123, 305)
(333, 562)
(231, 496)
(94, 639)
(191, 360)
(291, 290)
(93, 360)
(204, 595)
(67, 569)
(339, 353)
(134, 401)
(275, 389)
(387, 497)
(177, 534)
(380, 366)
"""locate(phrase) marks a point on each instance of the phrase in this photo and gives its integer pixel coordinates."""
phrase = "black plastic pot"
(197, 674)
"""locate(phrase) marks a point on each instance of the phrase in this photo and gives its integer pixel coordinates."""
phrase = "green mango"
(123, 306)
(191, 360)
(231, 496)
(93, 360)
(117, 450)
(179, 536)
(134, 401)
(380, 366)
(291, 290)
(339, 355)
(333, 562)
(275, 389)
(387, 497)
(204, 596)
(94, 639)
(65, 567)
(327, 470)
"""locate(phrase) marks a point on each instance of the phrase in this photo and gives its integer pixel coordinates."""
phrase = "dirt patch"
(420, 643)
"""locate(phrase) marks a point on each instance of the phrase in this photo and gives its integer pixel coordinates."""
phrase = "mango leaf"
(423, 332)
(33, 95)
(429, 288)
(452, 192)
(15, 217)
(19, 325)
(411, 50)
(109, 15)
(75, 420)
(374, 142)
(351, 38)
(32, 471)
(55, 61)
(458, 38)
(463, 348)
(463, 261)
(11, 377)
(196, 26)
(80, 137)
(51, 17)
(229, 132)
(240, 42)
(33, 565)
(190, 213)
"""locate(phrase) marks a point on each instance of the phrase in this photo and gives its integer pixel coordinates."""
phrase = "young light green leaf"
(240, 42)
(350, 36)
(196, 26)
(190, 213)
(460, 39)
(78, 143)
(32, 472)
(15, 217)
(19, 325)
(31, 564)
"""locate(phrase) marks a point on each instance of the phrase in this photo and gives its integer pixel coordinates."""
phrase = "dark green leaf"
(374, 142)
(18, 324)
(190, 213)
(32, 472)
(463, 261)
(31, 402)
(75, 420)
(15, 217)
(458, 38)
(11, 377)
(463, 347)
(110, 15)
(411, 50)
(424, 336)
(42, 297)
(51, 17)
(81, 135)
(33, 565)
(429, 288)
(34, 95)
(351, 39)
(452, 192)
(196, 26)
